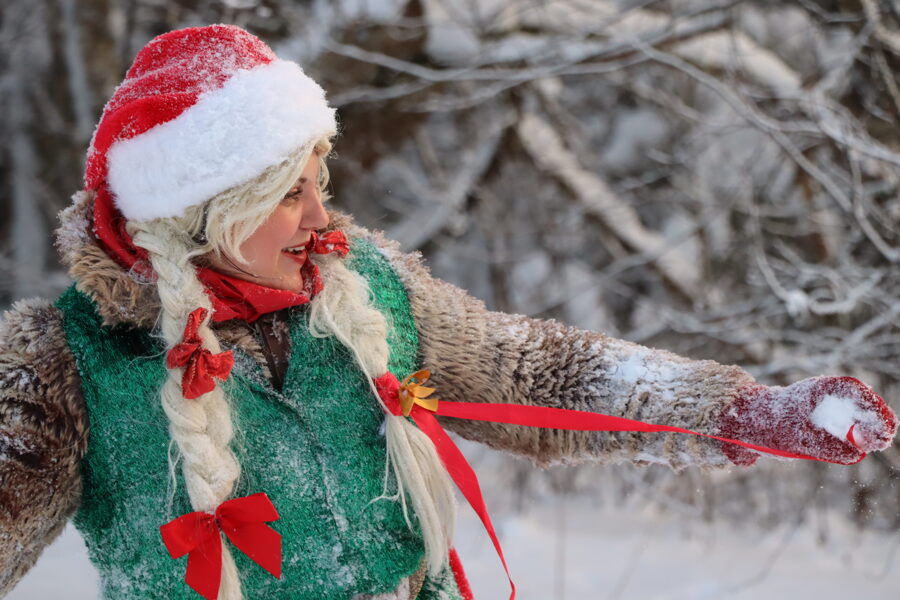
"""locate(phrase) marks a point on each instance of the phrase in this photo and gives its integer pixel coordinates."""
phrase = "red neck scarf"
(231, 298)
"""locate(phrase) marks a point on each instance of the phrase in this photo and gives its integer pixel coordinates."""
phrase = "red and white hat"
(201, 110)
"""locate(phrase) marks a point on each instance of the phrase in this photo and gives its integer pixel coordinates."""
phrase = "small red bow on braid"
(242, 520)
(200, 365)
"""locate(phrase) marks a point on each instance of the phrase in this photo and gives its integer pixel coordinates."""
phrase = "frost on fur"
(476, 355)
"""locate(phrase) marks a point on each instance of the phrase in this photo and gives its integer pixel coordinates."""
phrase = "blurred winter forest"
(719, 178)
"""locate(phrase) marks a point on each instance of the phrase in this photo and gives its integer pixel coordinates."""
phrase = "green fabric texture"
(315, 449)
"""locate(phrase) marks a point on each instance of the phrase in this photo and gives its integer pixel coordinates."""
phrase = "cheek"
(263, 248)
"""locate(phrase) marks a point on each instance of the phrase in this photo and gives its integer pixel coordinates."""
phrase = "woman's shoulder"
(31, 338)
(43, 434)
(119, 296)
(409, 266)
(29, 324)
(40, 390)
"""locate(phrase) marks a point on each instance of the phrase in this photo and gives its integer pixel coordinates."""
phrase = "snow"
(730, 50)
(796, 302)
(639, 369)
(633, 369)
(530, 266)
(63, 571)
(379, 11)
(646, 457)
(79, 87)
(635, 132)
(450, 40)
(574, 549)
(836, 414)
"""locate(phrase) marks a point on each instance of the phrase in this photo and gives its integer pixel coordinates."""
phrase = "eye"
(293, 195)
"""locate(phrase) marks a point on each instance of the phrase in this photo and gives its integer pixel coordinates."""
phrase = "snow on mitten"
(838, 419)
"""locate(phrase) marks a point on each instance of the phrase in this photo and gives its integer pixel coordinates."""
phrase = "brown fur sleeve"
(476, 355)
(43, 435)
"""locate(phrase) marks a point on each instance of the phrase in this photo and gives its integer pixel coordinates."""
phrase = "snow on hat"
(201, 110)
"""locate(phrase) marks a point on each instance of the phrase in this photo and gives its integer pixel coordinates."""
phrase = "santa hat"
(201, 110)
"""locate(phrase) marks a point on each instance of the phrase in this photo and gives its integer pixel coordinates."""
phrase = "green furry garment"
(316, 449)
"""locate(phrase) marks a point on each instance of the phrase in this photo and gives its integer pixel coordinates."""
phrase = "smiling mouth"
(296, 253)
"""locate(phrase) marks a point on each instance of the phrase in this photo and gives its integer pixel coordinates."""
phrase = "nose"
(315, 216)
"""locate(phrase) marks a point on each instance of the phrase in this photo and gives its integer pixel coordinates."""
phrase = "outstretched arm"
(43, 436)
(476, 355)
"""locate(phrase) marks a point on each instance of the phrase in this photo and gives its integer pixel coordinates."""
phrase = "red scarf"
(231, 298)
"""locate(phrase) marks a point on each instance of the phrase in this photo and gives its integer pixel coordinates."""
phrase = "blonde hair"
(202, 429)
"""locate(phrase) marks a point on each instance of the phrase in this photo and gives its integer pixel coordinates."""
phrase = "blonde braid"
(343, 309)
(202, 427)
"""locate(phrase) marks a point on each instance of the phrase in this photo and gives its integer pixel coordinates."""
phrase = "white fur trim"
(230, 135)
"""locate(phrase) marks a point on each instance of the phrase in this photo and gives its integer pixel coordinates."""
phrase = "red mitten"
(838, 419)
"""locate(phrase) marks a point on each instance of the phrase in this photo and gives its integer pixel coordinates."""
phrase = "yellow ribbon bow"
(416, 393)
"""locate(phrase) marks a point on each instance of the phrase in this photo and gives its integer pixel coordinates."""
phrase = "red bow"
(200, 365)
(243, 522)
(331, 241)
(389, 389)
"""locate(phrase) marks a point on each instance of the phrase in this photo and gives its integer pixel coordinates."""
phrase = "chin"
(291, 283)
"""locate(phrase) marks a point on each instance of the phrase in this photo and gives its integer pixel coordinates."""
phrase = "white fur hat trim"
(231, 134)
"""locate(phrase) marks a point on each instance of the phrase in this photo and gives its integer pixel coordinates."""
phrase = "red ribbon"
(456, 464)
(576, 420)
(200, 365)
(462, 582)
(242, 520)
(529, 416)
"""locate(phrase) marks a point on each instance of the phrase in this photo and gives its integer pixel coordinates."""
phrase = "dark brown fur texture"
(43, 436)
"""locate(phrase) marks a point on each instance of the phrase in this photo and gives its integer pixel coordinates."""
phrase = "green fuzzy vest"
(316, 449)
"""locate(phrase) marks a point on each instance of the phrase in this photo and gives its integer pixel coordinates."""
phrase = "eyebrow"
(299, 183)
(305, 180)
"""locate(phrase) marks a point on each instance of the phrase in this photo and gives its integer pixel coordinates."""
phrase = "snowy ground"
(609, 555)
(585, 553)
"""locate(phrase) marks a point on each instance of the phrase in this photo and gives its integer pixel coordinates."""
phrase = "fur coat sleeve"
(476, 355)
(43, 435)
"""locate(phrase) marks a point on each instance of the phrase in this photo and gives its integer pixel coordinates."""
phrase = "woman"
(226, 365)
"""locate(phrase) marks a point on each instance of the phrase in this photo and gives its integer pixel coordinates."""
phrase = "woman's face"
(274, 252)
